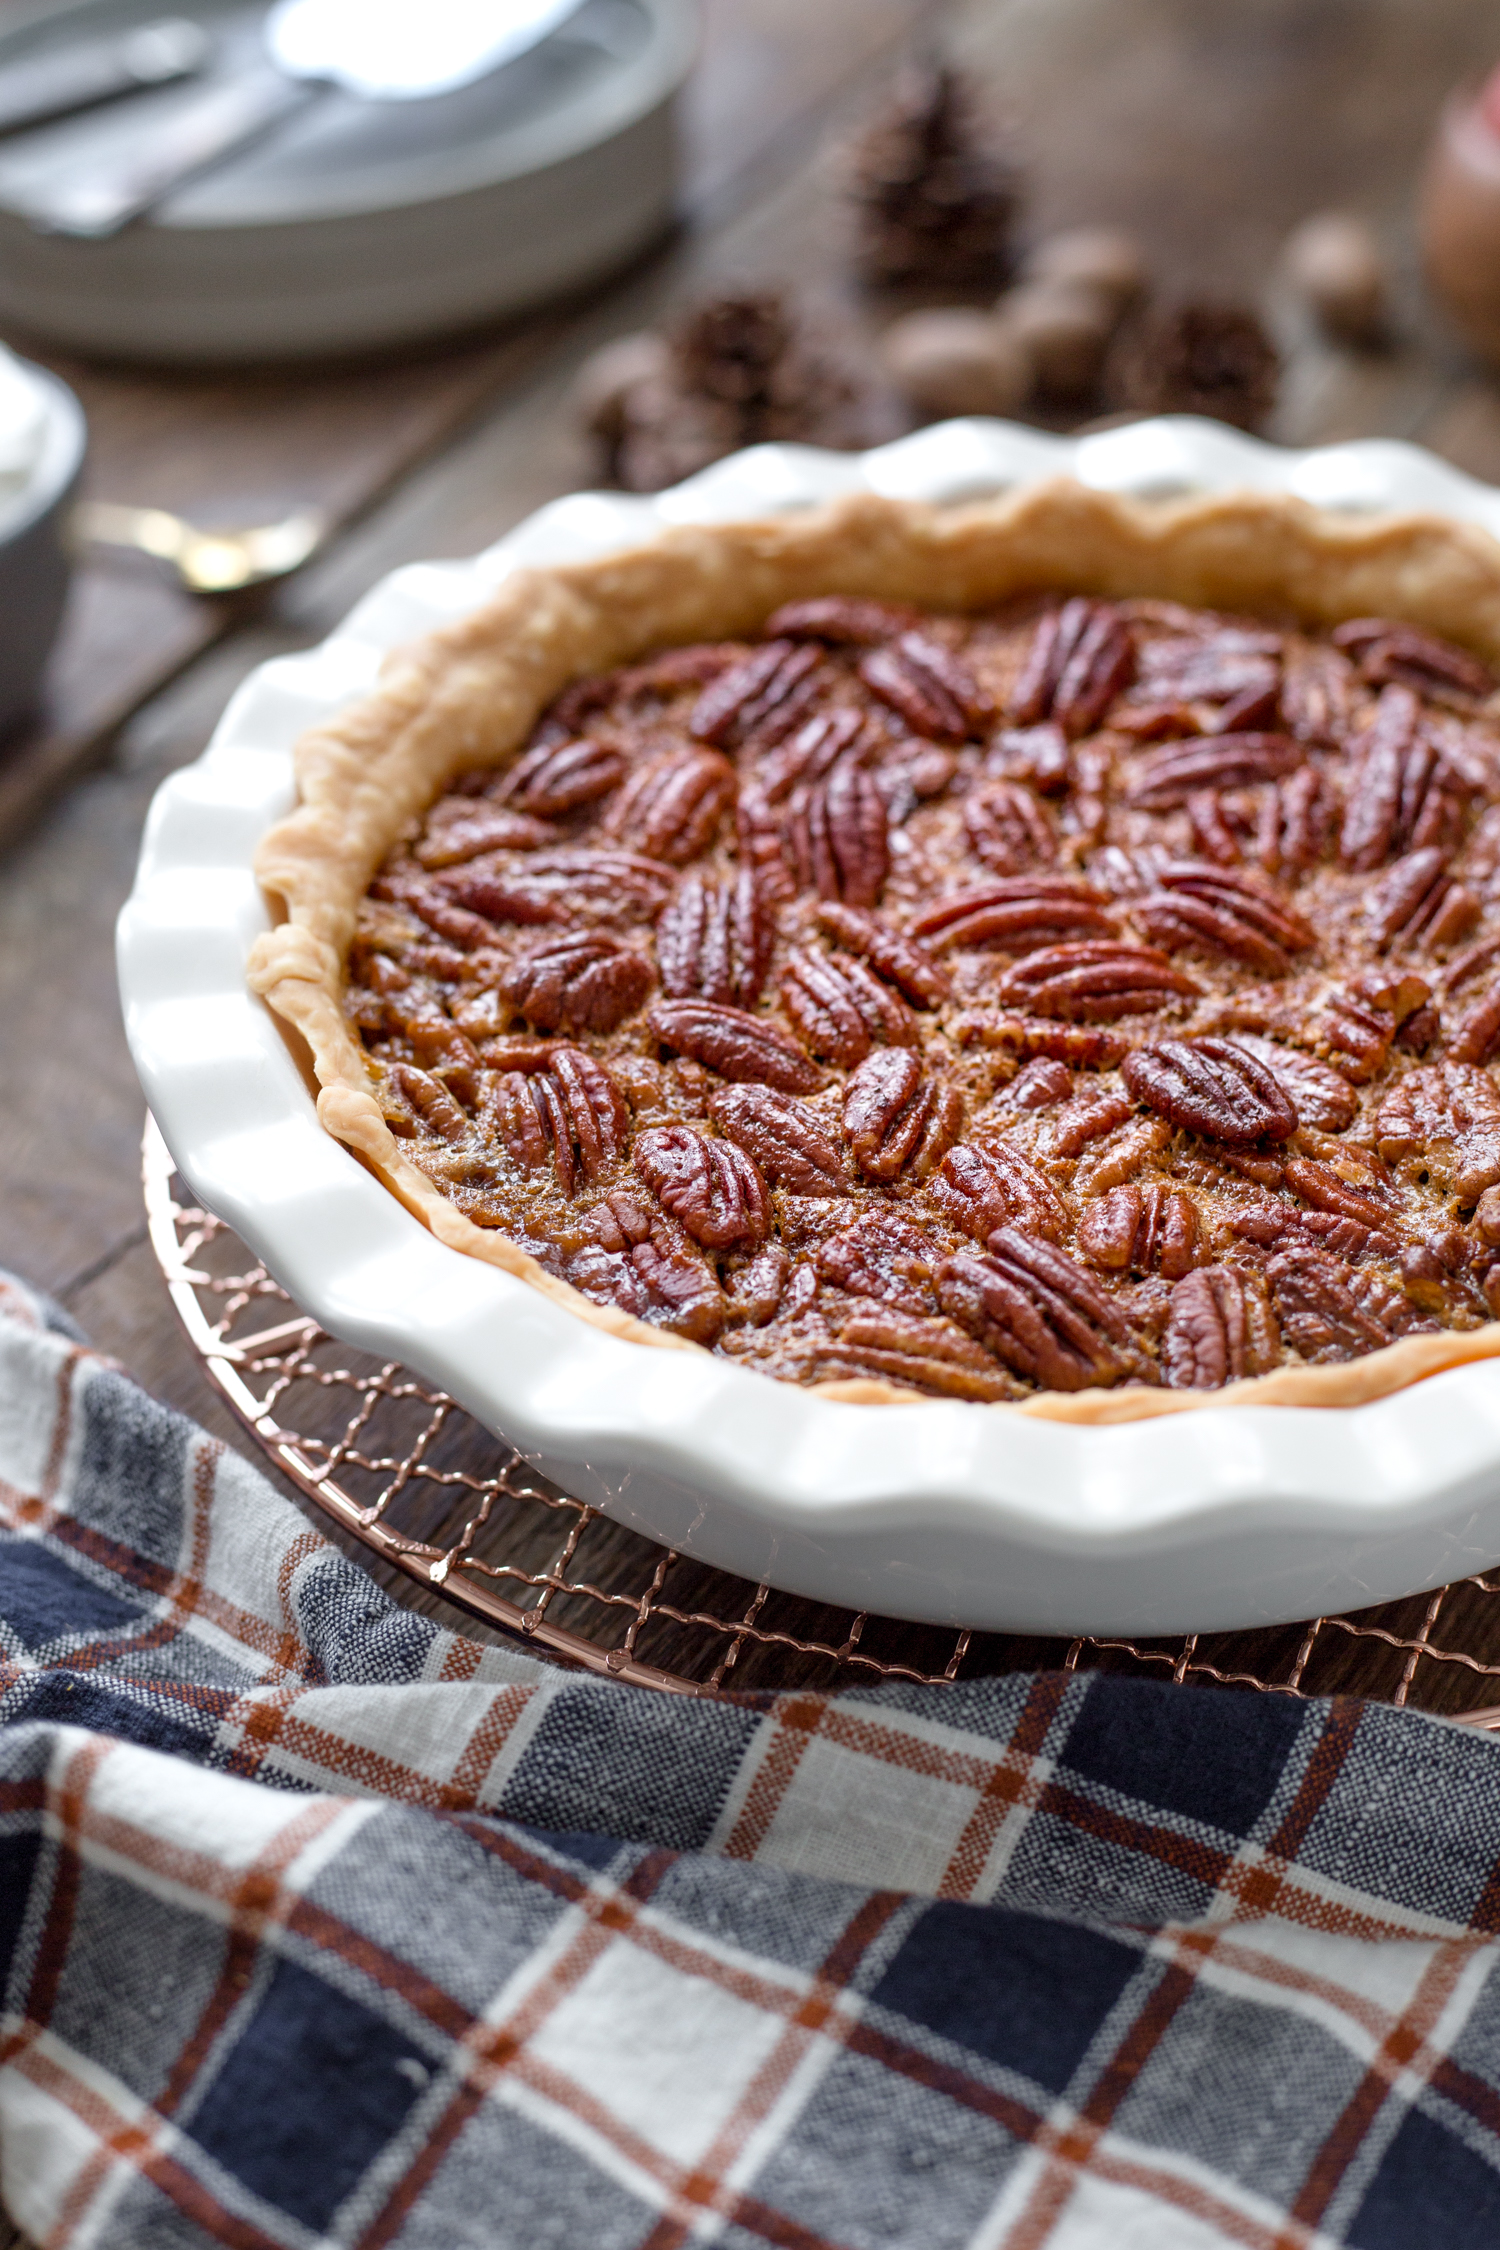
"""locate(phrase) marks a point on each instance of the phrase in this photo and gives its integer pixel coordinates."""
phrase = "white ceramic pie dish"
(945, 1511)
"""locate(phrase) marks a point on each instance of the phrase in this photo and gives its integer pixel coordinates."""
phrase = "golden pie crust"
(467, 697)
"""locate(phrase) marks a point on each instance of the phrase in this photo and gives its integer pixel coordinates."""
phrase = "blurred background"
(339, 325)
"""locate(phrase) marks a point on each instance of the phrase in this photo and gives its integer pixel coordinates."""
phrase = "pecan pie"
(852, 949)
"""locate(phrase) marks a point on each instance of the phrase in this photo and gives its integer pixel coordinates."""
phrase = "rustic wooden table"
(1212, 130)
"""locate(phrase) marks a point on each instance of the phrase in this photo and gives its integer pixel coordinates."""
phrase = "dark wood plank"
(222, 451)
(1213, 130)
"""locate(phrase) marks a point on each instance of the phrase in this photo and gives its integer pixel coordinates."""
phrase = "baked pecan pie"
(1031, 993)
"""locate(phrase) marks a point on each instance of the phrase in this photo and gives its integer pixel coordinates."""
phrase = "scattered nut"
(1336, 264)
(956, 363)
(608, 376)
(1103, 258)
(1062, 330)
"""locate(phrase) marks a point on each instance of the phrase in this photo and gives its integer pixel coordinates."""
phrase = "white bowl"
(950, 1512)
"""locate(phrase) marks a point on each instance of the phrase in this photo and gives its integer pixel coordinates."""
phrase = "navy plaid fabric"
(321, 1926)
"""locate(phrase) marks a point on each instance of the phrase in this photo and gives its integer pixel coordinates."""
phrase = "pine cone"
(731, 347)
(740, 370)
(933, 202)
(1200, 357)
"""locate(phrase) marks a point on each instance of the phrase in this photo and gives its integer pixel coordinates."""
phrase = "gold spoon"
(207, 562)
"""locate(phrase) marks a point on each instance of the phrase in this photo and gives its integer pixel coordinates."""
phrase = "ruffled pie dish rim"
(484, 679)
(1196, 1522)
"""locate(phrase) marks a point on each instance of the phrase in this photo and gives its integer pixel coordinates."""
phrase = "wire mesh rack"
(423, 1487)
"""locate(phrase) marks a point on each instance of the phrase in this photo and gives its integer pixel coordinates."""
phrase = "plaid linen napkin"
(322, 1926)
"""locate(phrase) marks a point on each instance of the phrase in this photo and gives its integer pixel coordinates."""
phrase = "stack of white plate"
(354, 225)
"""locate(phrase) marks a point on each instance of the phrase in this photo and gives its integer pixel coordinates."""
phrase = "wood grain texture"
(1212, 130)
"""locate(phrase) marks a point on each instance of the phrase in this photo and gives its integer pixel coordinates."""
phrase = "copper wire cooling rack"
(421, 1485)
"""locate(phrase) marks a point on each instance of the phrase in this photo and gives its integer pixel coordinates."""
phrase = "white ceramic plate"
(950, 1512)
(352, 225)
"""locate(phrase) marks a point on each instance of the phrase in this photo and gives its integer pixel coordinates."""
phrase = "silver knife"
(100, 70)
(380, 50)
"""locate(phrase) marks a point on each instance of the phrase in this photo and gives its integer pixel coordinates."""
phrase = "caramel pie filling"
(1081, 994)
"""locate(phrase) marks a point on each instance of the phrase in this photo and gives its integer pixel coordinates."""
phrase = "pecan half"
(981, 1189)
(899, 959)
(659, 680)
(1015, 913)
(1039, 1311)
(790, 698)
(558, 777)
(462, 921)
(1122, 1156)
(754, 1292)
(1213, 1087)
(437, 1042)
(1389, 652)
(844, 620)
(1466, 965)
(583, 982)
(1213, 833)
(1039, 756)
(1084, 1048)
(1420, 1030)
(1150, 1229)
(1355, 1032)
(1086, 1119)
(813, 752)
(925, 1355)
(1220, 1329)
(1224, 761)
(671, 809)
(1326, 1189)
(836, 837)
(429, 1102)
(1448, 1115)
(1320, 1096)
(1328, 1313)
(571, 1114)
(927, 685)
(711, 1188)
(605, 885)
(475, 830)
(1419, 903)
(1216, 912)
(1094, 982)
(641, 1263)
(1477, 1032)
(1401, 793)
(1037, 1085)
(1226, 665)
(1318, 689)
(899, 1120)
(882, 1255)
(1081, 656)
(911, 770)
(758, 841)
(1007, 828)
(788, 1141)
(1295, 821)
(774, 680)
(739, 1046)
(841, 1010)
(714, 941)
